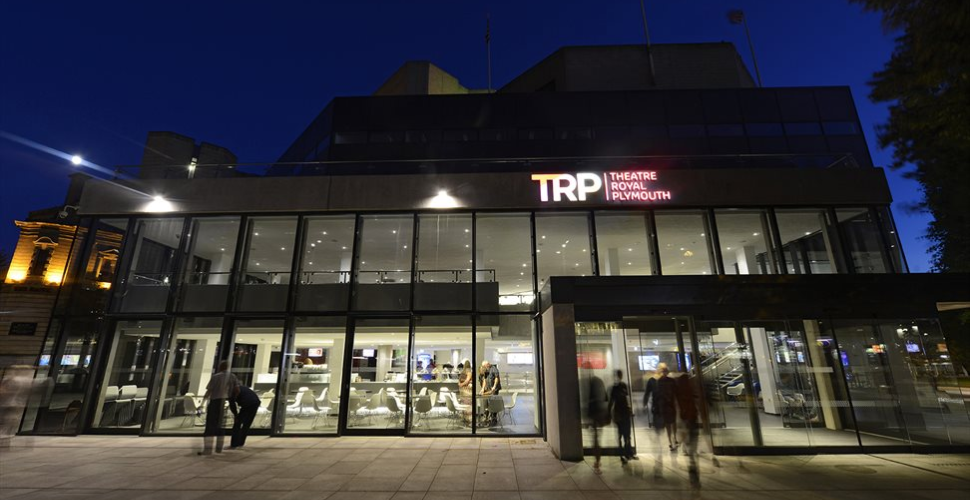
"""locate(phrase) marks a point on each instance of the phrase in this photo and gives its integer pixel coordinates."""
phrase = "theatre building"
(587, 217)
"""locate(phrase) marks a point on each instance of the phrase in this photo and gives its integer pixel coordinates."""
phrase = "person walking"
(248, 404)
(661, 397)
(622, 412)
(222, 385)
(687, 409)
(598, 413)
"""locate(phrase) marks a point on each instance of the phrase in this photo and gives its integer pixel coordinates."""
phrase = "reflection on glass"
(56, 409)
(623, 243)
(938, 376)
(562, 245)
(725, 365)
(862, 239)
(266, 267)
(384, 268)
(683, 241)
(441, 385)
(444, 273)
(190, 360)
(504, 262)
(150, 275)
(507, 343)
(877, 382)
(208, 267)
(805, 243)
(328, 251)
(99, 272)
(378, 374)
(744, 237)
(313, 383)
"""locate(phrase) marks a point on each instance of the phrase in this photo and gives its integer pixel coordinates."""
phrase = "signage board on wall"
(625, 186)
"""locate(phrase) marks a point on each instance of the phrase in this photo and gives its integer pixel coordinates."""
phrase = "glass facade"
(384, 323)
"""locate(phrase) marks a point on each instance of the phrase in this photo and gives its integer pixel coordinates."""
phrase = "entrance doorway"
(637, 347)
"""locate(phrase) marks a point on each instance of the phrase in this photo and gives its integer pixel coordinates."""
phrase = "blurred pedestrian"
(221, 386)
(622, 411)
(687, 409)
(598, 413)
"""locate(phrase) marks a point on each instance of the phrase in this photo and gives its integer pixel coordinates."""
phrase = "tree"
(927, 83)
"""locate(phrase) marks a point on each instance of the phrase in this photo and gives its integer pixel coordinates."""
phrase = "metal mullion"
(654, 243)
(474, 305)
(408, 387)
(354, 257)
(474, 402)
(887, 260)
(349, 334)
(840, 251)
(746, 374)
(535, 264)
(776, 237)
(180, 264)
(296, 263)
(160, 360)
(97, 372)
(593, 248)
(238, 259)
(415, 227)
(278, 422)
(714, 240)
(845, 383)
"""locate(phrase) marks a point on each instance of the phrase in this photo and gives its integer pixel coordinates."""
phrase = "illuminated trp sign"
(625, 186)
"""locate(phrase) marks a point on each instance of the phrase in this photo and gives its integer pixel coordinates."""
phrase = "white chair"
(508, 409)
(297, 404)
(735, 391)
(496, 406)
(423, 392)
(395, 410)
(422, 407)
(265, 410)
(454, 407)
(189, 409)
(323, 395)
(110, 406)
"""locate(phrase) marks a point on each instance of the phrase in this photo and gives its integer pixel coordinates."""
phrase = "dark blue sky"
(94, 78)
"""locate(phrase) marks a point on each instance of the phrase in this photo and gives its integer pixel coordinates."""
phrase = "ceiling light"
(755, 234)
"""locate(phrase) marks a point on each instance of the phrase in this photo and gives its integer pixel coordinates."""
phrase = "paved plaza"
(115, 467)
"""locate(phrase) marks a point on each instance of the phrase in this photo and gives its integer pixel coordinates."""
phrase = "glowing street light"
(76, 160)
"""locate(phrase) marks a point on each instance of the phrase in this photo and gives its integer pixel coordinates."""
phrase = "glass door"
(376, 395)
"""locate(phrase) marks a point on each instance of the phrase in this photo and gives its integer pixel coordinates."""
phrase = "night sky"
(93, 78)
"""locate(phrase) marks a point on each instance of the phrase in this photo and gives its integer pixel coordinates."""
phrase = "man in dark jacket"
(248, 404)
(622, 412)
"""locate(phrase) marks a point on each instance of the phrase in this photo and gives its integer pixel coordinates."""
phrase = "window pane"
(744, 237)
(325, 276)
(189, 361)
(507, 343)
(208, 268)
(764, 129)
(58, 404)
(124, 390)
(726, 369)
(683, 243)
(384, 270)
(442, 375)
(925, 382)
(315, 368)
(444, 273)
(378, 374)
(255, 361)
(156, 241)
(943, 376)
(504, 262)
(870, 367)
(862, 239)
(265, 275)
(102, 266)
(623, 243)
(562, 245)
(600, 351)
(840, 128)
(804, 242)
(725, 130)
